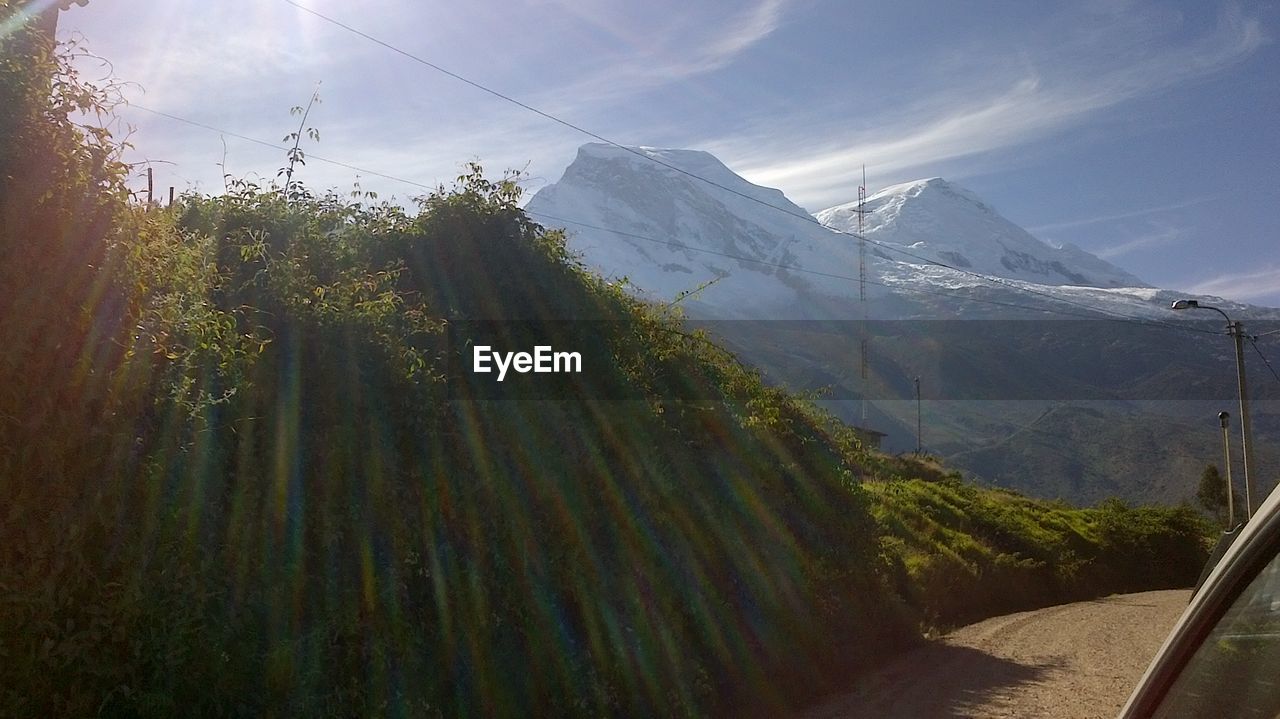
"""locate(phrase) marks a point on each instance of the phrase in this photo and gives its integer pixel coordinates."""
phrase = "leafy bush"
(964, 552)
(301, 518)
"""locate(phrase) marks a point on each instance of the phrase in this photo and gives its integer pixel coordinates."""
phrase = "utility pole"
(1236, 331)
(1223, 419)
(1246, 429)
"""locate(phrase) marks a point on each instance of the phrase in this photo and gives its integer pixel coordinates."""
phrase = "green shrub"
(972, 552)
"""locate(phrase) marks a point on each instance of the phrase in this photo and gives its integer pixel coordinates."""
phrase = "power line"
(274, 146)
(673, 243)
(808, 218)
(554, 218)
(1254, 341)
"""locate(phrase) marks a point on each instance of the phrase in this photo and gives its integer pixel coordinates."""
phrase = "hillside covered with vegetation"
(243, 475)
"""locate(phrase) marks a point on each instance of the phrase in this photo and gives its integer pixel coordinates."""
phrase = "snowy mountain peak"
(597, 159)
(684, 159)
(916, 188)
(946, 223)
(677, 219)
(673, 220)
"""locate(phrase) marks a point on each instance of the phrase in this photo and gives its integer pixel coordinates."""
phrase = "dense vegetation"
(961, 553)
(242, 475)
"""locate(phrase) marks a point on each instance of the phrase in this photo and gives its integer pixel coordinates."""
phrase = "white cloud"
(963, 121)
(232, 53)
(1159, 238)
(241, 64)
(749, 28)
(656, 57)
(1099, 219)
(1249, 285)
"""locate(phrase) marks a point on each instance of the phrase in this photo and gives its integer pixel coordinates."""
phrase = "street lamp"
(1236, 331)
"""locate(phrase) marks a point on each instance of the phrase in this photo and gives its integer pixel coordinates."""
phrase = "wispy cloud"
(1100, 219)
(750, 27)
(1251, 285)
(401, 117)
(189, 58)
(661, 58)
(962, 121)
(1146, 241)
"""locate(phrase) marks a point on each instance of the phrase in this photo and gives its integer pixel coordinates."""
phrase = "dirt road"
(1073, 660)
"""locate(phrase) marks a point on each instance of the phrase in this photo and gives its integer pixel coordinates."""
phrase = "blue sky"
(1144, 132)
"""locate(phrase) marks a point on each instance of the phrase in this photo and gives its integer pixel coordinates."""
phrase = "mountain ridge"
(669, 232)
(916, 214)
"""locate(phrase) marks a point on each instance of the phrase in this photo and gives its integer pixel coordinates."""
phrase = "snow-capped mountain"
(671, 221)
(946, 223)
(934, 251)
(668, 232)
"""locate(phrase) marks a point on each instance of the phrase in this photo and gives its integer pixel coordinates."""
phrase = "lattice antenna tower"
(862, 271)
(863, 343)
(862, 244)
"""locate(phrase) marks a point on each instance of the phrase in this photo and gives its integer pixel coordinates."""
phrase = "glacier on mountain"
(670, 221)
(943, 222)
(668, 232)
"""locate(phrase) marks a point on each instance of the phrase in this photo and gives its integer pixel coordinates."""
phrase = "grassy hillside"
(961, 553)
(244, 475)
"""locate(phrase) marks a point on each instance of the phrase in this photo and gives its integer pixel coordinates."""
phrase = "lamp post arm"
(1215, 309)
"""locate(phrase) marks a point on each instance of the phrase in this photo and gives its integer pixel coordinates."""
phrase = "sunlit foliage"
(243, 477)
(961, 553)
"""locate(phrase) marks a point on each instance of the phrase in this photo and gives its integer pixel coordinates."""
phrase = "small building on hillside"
(870, 438)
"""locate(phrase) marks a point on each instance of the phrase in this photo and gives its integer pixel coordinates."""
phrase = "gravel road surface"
(1072, 660)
